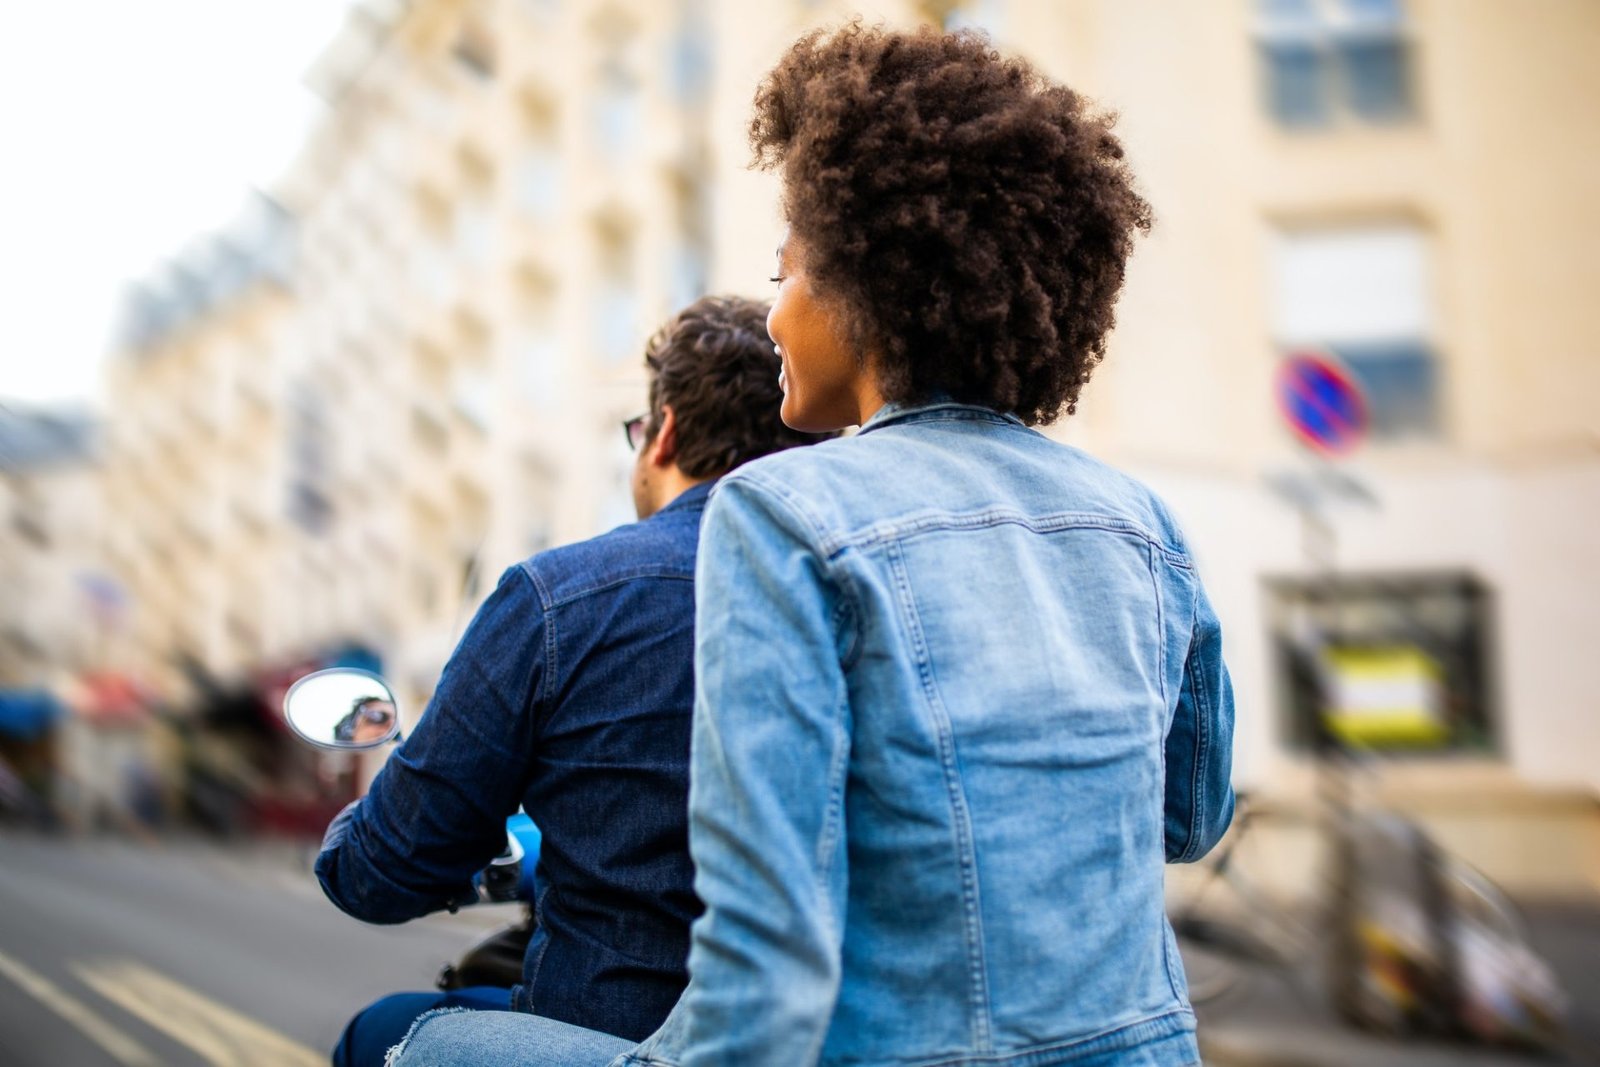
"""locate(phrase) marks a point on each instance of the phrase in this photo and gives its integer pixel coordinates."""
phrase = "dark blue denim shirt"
(570, 694)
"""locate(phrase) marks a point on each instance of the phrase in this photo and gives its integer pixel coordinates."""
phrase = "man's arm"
(435, 814)
(770, 748)
(1199, 798)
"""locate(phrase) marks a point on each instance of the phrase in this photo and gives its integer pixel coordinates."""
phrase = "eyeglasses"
(634, 430)
(376, 716)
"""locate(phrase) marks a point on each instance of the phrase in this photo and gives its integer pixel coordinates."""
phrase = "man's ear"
(664, 449)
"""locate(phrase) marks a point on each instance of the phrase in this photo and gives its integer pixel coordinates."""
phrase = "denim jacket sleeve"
(435, 814)
(1199, 745)
(770, 747)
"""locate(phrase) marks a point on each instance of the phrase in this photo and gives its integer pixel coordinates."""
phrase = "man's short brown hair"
(715, 365)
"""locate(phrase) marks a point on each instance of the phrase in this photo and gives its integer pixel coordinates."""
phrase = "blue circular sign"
(1323, 402)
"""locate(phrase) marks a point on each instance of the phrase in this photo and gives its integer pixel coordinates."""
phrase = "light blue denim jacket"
(959, 695)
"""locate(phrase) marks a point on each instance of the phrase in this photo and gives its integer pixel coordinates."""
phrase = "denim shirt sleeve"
(435, 814)
(1199, 745)
(770, 745)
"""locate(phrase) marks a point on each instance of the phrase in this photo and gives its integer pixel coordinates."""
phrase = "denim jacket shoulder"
(661, 547)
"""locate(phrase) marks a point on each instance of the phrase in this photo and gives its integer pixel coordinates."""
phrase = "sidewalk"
(1271, 1027)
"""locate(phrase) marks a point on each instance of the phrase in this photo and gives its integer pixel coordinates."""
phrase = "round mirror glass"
(342, 708)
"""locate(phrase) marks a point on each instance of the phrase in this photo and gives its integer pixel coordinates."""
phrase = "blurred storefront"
(28, 723)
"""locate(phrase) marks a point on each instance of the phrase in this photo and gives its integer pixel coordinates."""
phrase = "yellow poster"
(1385, 696)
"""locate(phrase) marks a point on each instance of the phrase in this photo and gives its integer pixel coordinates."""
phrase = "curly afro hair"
(714, 363)
(969, 217)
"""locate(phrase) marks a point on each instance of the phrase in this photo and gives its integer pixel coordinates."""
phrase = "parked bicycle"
(1400, 938)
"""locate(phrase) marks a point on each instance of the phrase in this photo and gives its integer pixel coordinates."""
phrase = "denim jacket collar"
(693, 497)
(940, 404)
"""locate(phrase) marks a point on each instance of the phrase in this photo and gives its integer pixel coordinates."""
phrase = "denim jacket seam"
(1201, 740)
(903, 529)
(832, 819)
(961, 817)
(613, 583)
(551, 658)
(1160, 1024)
(810, 522)
(943, 411)
(827, 550)
(1161, 624)
(1202, 754)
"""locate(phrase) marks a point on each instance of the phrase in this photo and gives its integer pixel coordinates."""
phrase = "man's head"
(369, 719)
(714, 399)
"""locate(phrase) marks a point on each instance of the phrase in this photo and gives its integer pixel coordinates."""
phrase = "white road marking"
(222, 1036)
(119, 1046)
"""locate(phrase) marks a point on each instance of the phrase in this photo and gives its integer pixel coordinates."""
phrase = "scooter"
(348, 710)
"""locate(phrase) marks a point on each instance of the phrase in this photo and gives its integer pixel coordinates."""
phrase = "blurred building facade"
(50, 503)
(194, 479)
(508, 195)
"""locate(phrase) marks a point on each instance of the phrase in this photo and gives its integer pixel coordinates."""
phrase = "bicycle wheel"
(1212, 962)
(1212, 977)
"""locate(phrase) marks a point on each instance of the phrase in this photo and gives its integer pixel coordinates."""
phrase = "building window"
(689, 55)
(1363, 295)
(543, 12)
(688, 266)
(984, 15)
(1331, 61)
(618, 101)
(615, 308)
(432, 272)
(473, 216)
(537, 341)
(1391, 663)
(539, 165)
(310, 501)
(616, 504)
(473, 51)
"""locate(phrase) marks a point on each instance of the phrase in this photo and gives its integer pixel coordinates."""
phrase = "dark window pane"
(1401, 383)
(1406, 659)
(1297, 85)
(1377, 77)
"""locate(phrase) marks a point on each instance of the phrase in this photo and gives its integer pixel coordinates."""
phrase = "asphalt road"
(115, 954)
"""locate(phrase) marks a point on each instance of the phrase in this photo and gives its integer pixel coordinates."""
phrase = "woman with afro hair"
(959, 693)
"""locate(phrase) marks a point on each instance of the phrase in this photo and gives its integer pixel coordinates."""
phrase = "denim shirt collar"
(940, 403)
(693, 497)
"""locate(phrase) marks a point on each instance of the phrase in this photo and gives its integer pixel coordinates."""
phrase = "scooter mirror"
(342, 708)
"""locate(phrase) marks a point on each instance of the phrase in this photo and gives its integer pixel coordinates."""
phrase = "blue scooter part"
(527, 834)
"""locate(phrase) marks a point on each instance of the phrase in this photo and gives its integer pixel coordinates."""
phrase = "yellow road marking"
(222, 1036)
(119, 1046)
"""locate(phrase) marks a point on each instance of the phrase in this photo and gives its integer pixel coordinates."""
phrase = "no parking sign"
(1323, 402)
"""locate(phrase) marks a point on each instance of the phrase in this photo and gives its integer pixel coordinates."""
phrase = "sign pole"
(1327, 411)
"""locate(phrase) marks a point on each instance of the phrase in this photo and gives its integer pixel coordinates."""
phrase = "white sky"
(128, 127)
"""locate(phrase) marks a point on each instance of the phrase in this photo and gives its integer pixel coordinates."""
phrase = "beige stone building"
(54, 605)
(508, 195)
(196, 456)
